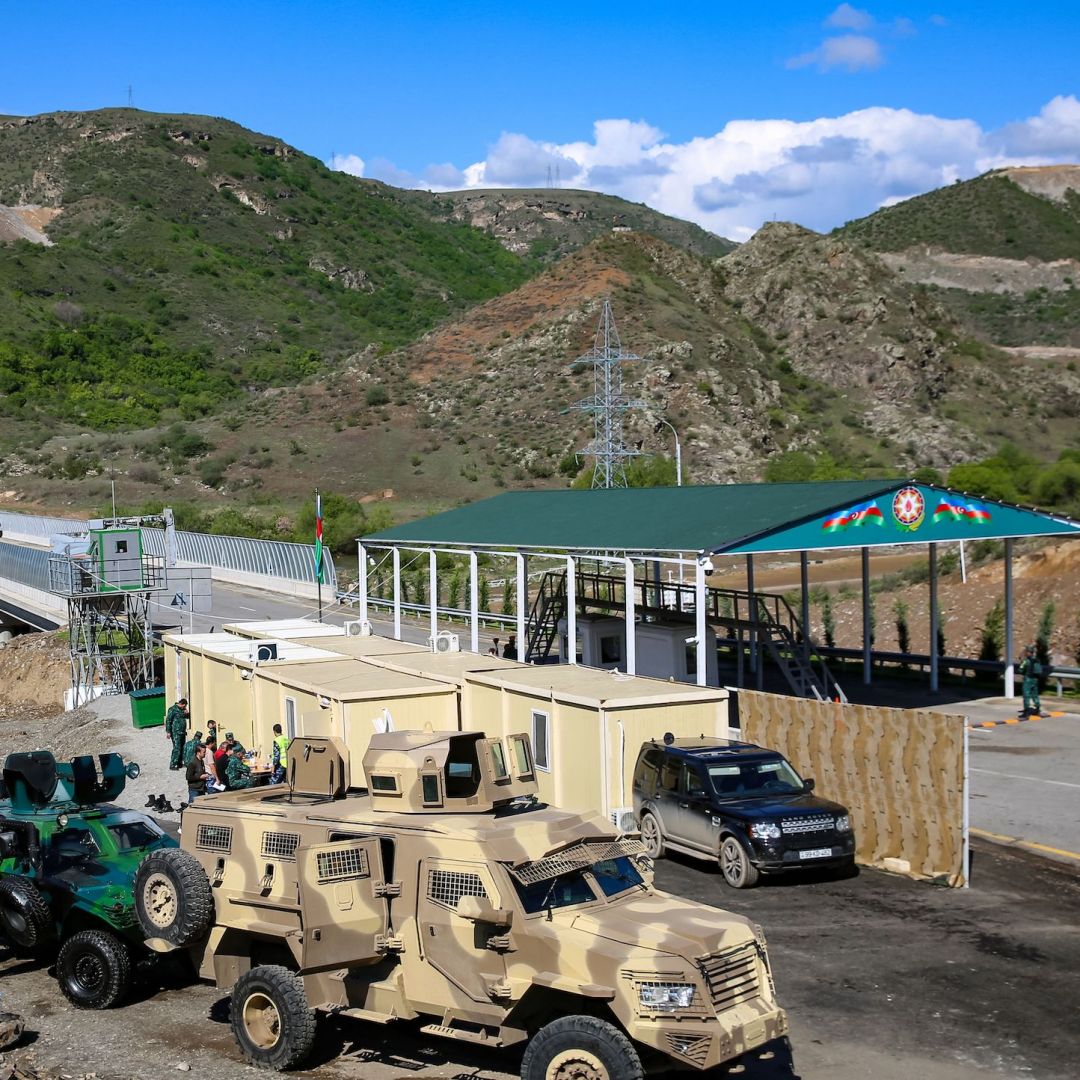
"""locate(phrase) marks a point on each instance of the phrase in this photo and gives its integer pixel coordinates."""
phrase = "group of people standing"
(213, 765)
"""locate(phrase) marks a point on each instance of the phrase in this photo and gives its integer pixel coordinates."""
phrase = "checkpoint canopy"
(638, 526)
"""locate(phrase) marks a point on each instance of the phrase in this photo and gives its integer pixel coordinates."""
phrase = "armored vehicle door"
(468, 950)
(344, 918)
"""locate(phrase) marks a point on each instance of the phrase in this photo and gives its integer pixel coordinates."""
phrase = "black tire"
(173, 900)
(581, 1043)
(273, 1024)
(25, 917)
(93, 969)
(651, 836)
(739, 872)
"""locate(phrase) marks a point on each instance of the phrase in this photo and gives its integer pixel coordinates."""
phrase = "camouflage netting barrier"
(899, 771)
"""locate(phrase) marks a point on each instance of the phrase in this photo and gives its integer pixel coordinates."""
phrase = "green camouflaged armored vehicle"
(446, 891)
(67, 864)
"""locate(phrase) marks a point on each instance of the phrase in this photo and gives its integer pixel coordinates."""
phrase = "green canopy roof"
(726, 519)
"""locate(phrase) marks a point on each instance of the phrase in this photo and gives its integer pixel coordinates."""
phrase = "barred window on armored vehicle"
(341, 865)
(280, 845)
(447, 887)
(214, 837)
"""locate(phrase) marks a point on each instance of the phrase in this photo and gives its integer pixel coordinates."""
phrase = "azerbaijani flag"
(318, 537)
(952, 509)
(857, 515)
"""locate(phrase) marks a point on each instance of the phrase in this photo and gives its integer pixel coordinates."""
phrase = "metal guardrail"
(266, 558)
(27, 566)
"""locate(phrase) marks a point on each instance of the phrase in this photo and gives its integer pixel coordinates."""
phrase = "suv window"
(648, 770)
(669, 775)
(690, 782)
(746, 779)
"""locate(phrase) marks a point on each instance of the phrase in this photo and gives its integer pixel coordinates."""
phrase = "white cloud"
(352, 164)
(846, 17)
(819, 173)
(851, 52)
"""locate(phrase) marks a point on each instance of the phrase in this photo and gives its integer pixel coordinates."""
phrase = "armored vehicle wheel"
(25, 917)
(172, 897)
(651, 836)
(739, 872)
(93, 969)
(271, 1019)
(580, 1048)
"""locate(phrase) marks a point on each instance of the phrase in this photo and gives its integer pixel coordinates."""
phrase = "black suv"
(739, 803)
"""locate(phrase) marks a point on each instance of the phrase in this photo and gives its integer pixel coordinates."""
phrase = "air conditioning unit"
(357, 628)
(622, 817)
(444, 642)
(267, 650)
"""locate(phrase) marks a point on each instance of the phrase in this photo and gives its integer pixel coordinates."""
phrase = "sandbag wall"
(901, 773)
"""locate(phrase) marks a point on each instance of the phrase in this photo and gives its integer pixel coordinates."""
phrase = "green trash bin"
(148, 707)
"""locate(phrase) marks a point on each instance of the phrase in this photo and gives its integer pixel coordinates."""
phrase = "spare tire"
(25, 918)
(173, 900)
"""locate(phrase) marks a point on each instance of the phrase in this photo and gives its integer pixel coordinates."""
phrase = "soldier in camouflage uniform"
(191, 747)
(234, 743)
(1030, 670)
(176, 729)
(237, 773)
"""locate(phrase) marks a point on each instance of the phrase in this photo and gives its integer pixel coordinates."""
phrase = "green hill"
(990, 215)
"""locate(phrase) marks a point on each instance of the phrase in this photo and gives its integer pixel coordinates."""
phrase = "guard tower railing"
(77, 575)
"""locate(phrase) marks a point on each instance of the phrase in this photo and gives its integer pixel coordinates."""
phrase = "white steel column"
(474, 602)
(933, 620)
(433, 591)
(362, 580)
(804, 582)
(396, 552)
(699, 619)
(631, 625)
(867, 630)
(753, 612)
(1010, 668)
(571, 610)
(522, 601)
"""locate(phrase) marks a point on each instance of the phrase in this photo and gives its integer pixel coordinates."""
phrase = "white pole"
(397, 593)
(699, 620)
(966, 856)
(433, 591)
(755, 660)
(1010, 669)
(474, 602)
(933, 620)
(867, 664)
(571, 610)
(678, 460)
(631, 625)
(804, 581)
(963, 565)
(362, 579)
(522, 601)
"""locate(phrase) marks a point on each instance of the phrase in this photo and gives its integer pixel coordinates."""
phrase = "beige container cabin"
(587, 725)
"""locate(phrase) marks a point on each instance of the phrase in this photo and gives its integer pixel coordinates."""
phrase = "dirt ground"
(34, 669)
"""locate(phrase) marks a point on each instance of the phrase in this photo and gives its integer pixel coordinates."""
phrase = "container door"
(468, 953)
(344, 920)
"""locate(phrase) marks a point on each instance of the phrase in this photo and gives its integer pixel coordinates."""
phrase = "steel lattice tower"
(608, 404)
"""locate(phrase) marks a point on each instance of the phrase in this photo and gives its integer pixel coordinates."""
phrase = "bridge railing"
(24, 565)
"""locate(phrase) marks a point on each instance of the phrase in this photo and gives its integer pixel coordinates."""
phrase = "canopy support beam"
(933, 620)
(867, 621)
(1010, 667)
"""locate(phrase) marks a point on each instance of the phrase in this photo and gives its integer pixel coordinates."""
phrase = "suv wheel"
(93, 969)
(172, 897)
(651, 836)
(739, 872)
(271, 1019)
(25, 917)
(580, 1048)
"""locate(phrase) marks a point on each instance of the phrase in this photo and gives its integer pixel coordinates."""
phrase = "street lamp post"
(678, 448)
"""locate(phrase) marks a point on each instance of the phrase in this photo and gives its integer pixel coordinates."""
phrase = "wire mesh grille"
(447, 887)
(341, 865)
(214, 838)
(574, 858)
(280, 845)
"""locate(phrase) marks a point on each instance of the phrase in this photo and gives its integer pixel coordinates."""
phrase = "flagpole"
(318, 549)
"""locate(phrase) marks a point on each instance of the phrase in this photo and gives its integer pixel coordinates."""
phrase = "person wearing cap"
(193, 744)
(234, 743)
(1030, 670)
(176, 729)
(237, 773)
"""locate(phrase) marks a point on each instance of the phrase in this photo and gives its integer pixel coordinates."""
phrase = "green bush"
(377, 395)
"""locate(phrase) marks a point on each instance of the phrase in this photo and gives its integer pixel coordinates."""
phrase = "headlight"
(765, 830)
(665, 997)
(843, 823)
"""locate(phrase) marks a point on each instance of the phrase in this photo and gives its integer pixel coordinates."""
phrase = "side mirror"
(808, 785)
(479, 909)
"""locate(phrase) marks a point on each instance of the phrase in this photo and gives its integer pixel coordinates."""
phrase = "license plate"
(816, 853)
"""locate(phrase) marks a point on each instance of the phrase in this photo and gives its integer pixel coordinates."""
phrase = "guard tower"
(106, 578)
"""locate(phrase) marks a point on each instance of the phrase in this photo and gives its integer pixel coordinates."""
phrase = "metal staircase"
(543, 625)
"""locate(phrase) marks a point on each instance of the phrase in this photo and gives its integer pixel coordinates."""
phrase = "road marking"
(1033, 779)
(1003, 839)
(1013, 720)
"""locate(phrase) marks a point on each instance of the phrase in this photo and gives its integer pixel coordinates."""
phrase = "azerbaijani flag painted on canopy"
(318, 537)
(857, 515)
(953, 509)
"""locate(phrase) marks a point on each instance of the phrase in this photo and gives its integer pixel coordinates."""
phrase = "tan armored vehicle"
(445, 891)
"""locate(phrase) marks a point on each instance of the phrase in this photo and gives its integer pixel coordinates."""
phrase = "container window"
(541, 733)
(290, 717)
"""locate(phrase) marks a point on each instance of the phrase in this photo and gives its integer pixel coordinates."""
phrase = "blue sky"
(497, 92)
